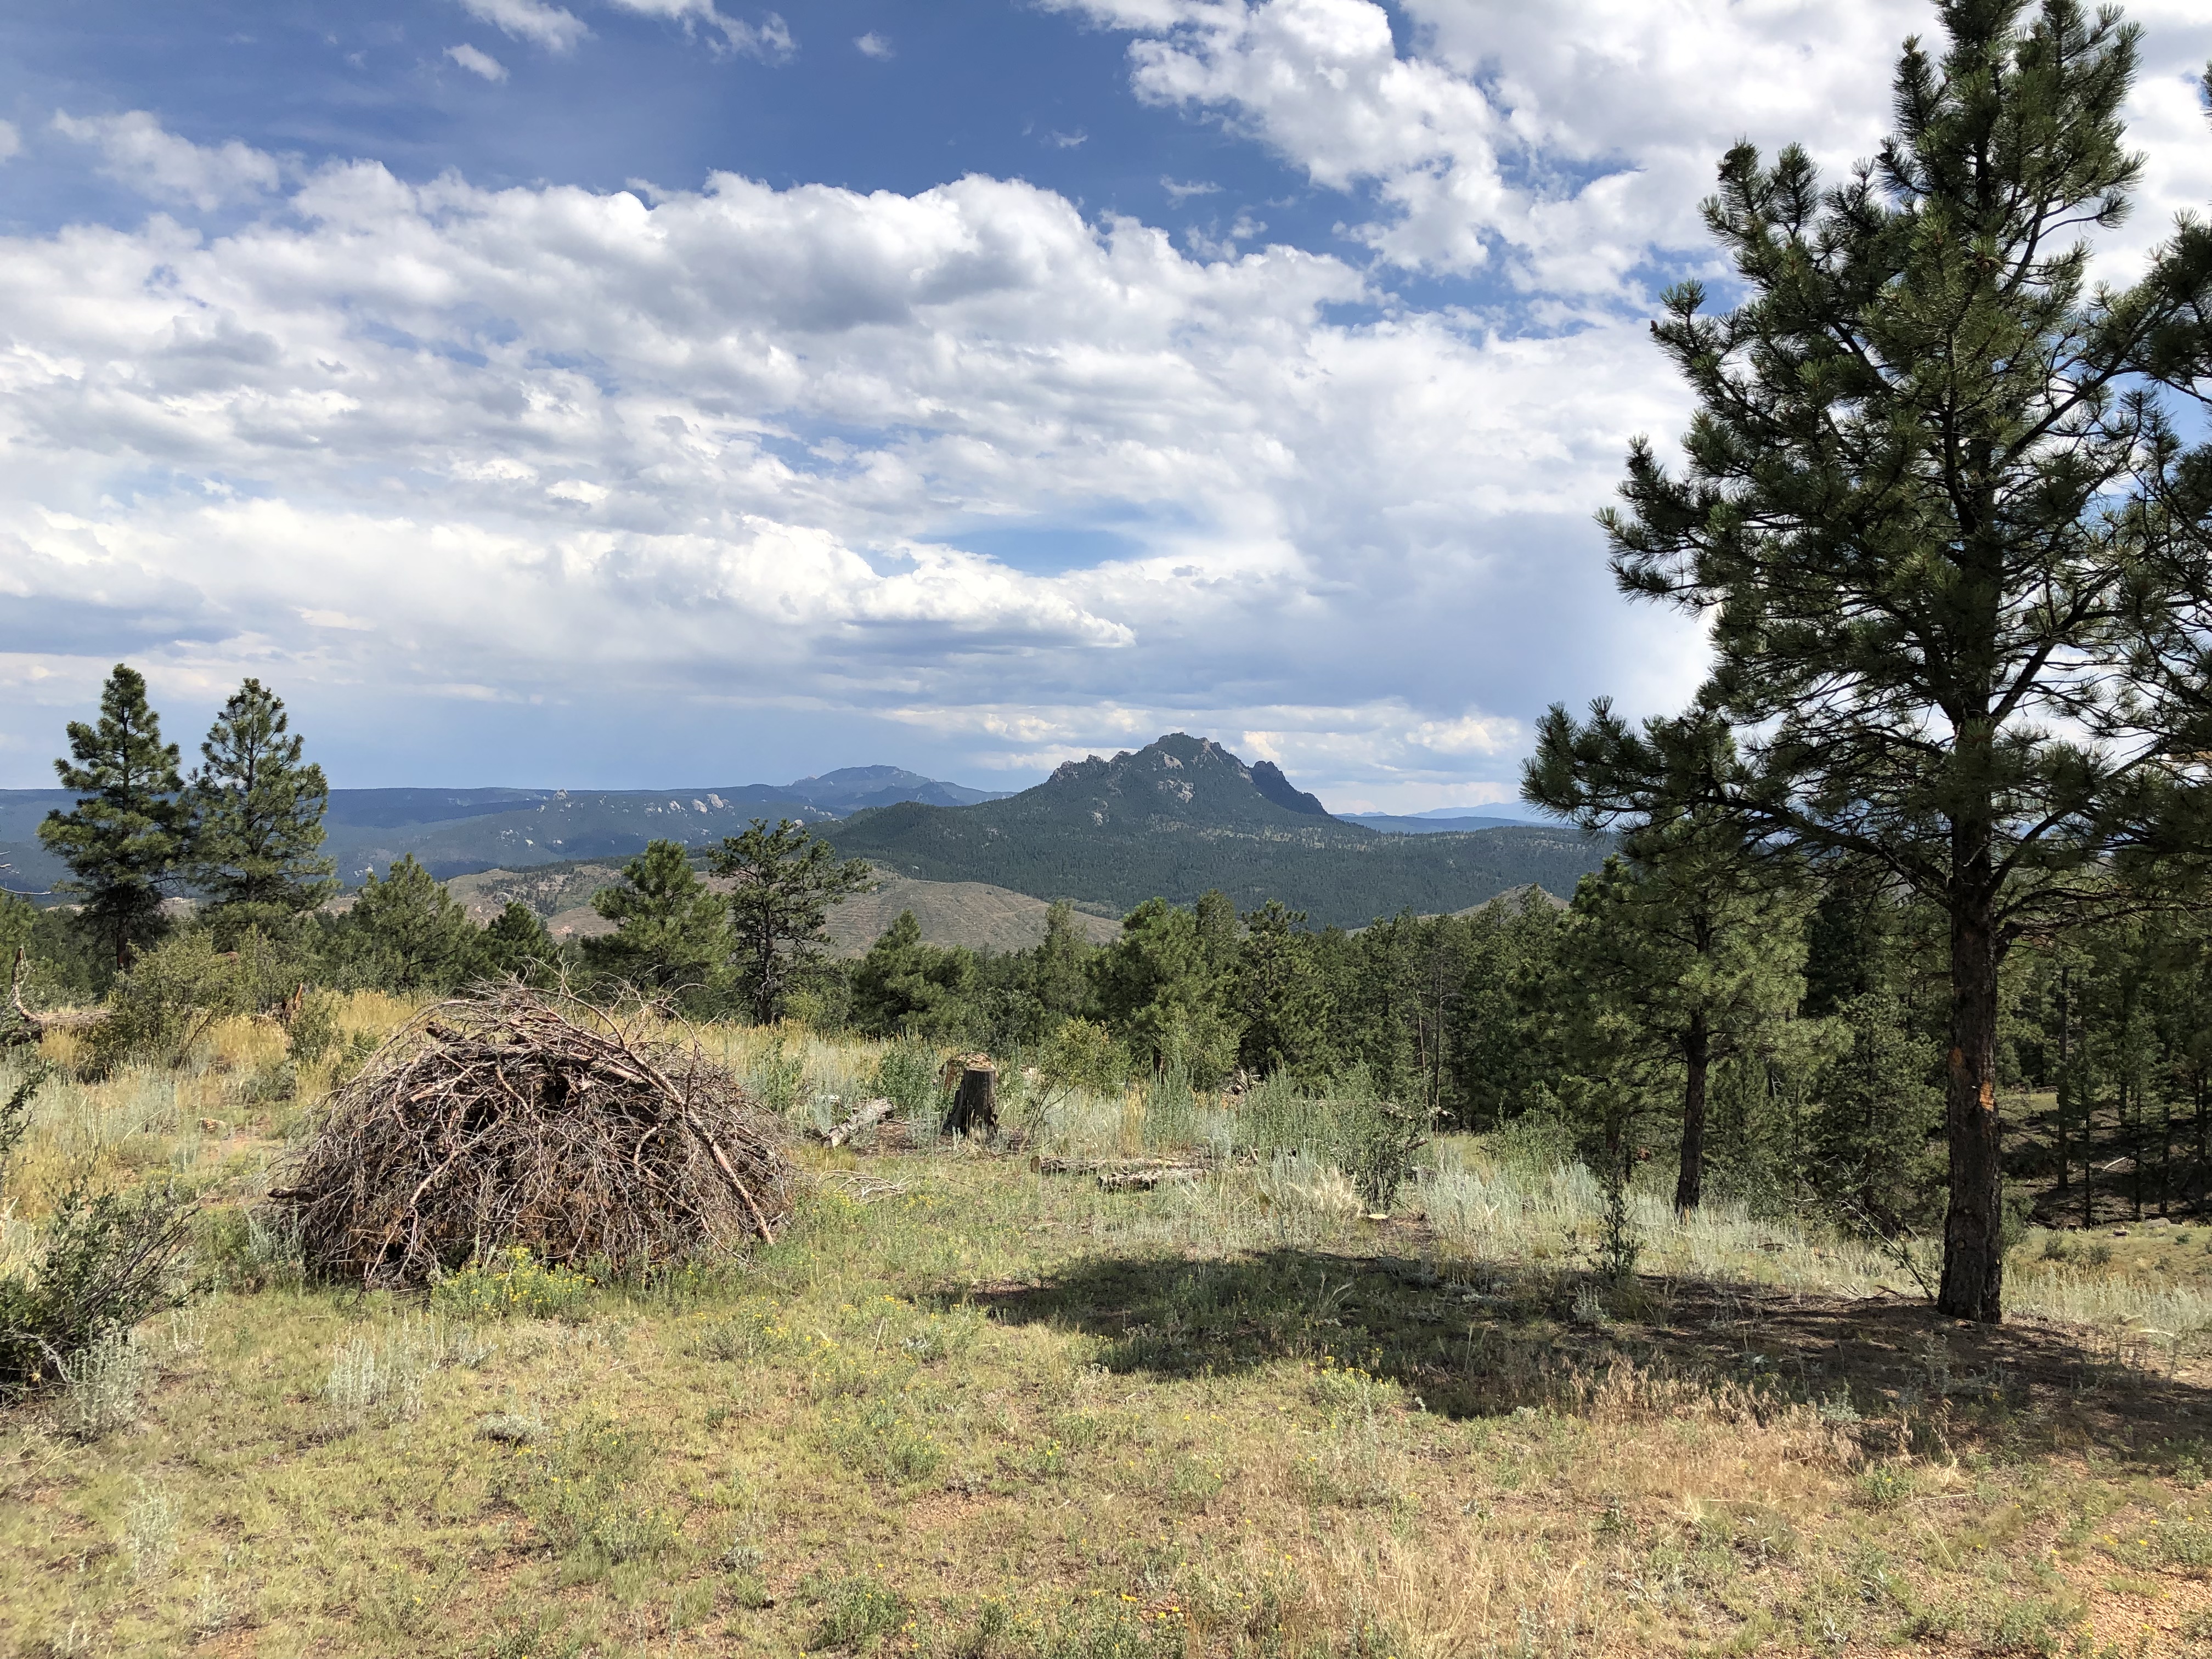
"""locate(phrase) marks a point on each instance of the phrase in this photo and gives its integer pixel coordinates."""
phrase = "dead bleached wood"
(865, 1116)
(19, 1027)
(854, 1184)
(1143, 1181)
(1117, 1165)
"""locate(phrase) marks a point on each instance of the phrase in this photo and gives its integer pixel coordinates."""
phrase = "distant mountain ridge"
(1427, 824)
(458, 831)
(1182, 815)
(1171, 820)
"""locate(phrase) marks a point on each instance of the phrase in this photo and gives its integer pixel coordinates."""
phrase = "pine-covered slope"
(455, 831)
(1182, 815)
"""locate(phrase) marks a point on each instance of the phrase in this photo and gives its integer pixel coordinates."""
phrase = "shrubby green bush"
(105, 1260)
(910, 1075)
(513, 1284)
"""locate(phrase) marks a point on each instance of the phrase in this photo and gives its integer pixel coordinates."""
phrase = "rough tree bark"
(1973, 1252)
(1697, 1063)
(975, 1102)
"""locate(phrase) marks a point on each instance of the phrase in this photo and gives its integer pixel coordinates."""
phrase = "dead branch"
(512, 1117)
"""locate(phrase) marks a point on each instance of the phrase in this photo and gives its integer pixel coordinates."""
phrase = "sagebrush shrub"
(106, 1262)
(103, 1384)
(857, 1613)
(382, 1376)
(584, 1490)
(149, 1532)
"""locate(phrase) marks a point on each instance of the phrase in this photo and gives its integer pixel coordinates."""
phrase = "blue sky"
(630, 391)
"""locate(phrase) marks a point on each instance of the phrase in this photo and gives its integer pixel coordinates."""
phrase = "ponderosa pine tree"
(1162, 989)
(1279, 994)
(671, 930)
(1704, 958)
(517, 942)
(1922, 506)
(783, 883)
(256, 815)
(1708, 934)
(1059, 974)
(905, 986)
(123, 837)
(405, 932)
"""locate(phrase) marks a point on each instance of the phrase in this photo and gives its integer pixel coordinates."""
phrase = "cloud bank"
(965, 463)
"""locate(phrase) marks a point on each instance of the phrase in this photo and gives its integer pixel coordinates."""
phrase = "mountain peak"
(1267, 778)
(1177, 779)
(1184, 814)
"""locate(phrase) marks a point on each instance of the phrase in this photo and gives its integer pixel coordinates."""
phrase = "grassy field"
(964, 1407)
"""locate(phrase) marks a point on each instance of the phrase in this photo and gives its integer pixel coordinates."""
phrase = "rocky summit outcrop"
(1184, 814)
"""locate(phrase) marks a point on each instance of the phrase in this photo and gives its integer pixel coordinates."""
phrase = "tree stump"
(975, 1102)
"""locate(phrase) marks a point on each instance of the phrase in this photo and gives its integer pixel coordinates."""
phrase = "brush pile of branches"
(510, 1117)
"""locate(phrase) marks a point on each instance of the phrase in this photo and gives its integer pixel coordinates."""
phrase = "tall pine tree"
(256, 819)
(671, 930)
(405, 932)
(123, 838)
(1709, 935)
(782, 884)
(1922, 491)
(1279, 994)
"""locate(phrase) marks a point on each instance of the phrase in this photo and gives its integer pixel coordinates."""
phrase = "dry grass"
(1000, 1413)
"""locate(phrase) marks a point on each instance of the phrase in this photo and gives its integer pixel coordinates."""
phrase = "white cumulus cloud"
(478, 63)
(136, 150)
(543, 25)
(965, 460)
(747, 442)
(1568, 145)
(872, 44)
(769, 39)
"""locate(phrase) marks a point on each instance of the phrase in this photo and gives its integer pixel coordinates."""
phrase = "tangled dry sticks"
(511, 1117)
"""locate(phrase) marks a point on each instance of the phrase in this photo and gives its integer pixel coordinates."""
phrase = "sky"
(627, 393)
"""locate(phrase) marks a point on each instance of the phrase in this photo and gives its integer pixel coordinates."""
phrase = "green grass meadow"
(965, 1407)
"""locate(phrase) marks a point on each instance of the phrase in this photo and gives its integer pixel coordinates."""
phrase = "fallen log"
(1143, 1181)
(1115, 1165)
(865, 1116)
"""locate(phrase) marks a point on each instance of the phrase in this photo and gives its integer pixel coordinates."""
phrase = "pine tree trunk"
(1697, 1061)
(2065, 1075)
(1973, 1252)
(2202, 1166)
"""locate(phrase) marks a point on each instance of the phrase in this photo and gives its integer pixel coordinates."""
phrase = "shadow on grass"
(1493, 1339)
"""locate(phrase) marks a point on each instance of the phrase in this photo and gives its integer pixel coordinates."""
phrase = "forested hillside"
(1182, 816)
(452, 832)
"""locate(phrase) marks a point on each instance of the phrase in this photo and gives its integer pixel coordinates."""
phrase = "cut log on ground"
(512, 1118)
(867, 1114)
(975, 1103)
(1117, 1165)
(1143, 1181)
